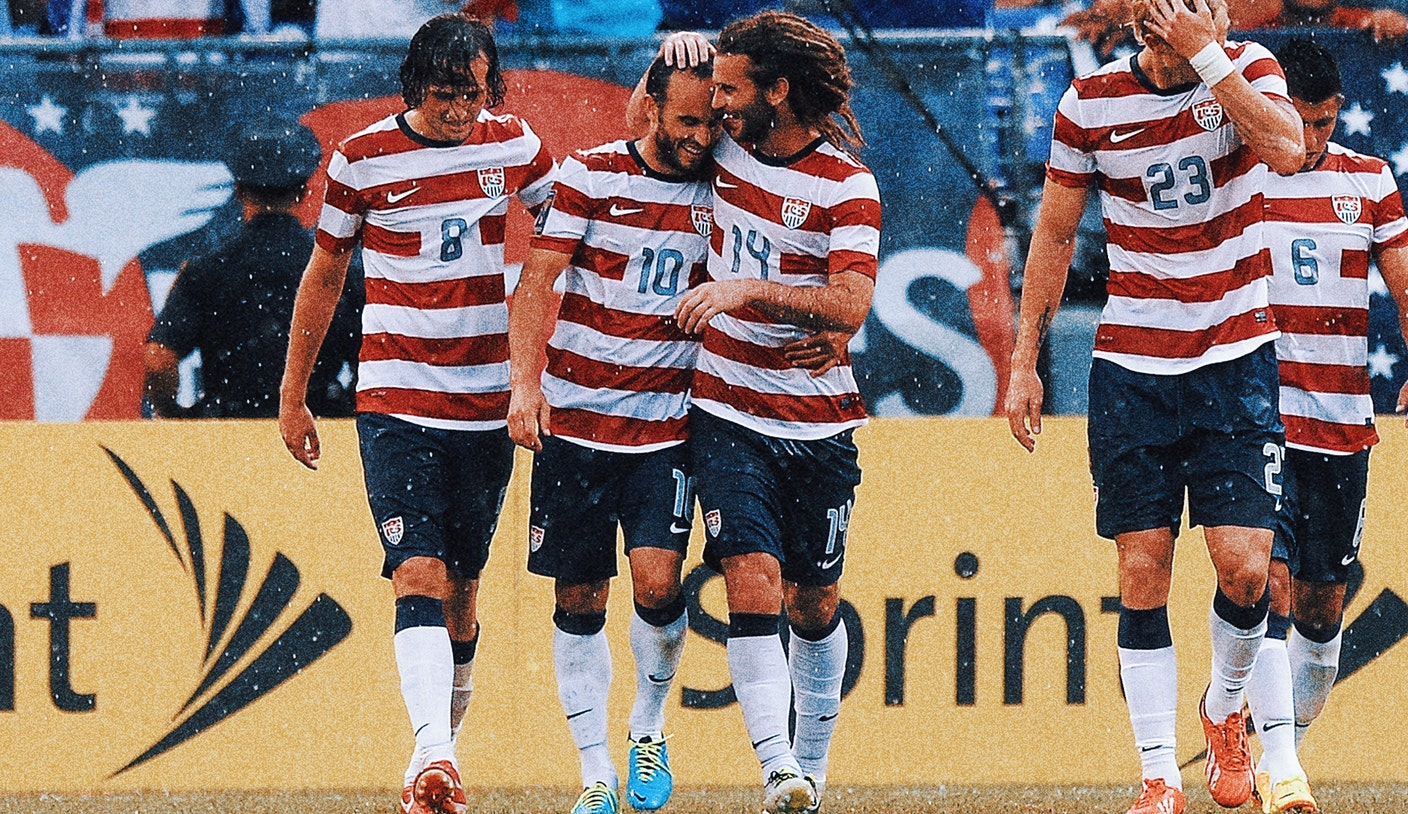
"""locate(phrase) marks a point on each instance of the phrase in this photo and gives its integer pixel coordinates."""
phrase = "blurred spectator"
(166, 19)
(1385, 24)
(377, 19)
(235, 306)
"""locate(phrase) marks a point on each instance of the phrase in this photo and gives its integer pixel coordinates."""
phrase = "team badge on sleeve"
(1208, 114)
(795, 211)
(714, 522)
(1348, 208)
(393, 530)
(703, 219)
(491, 180)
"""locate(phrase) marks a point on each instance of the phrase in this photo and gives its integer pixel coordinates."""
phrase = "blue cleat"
(597, 799)
(650, 782)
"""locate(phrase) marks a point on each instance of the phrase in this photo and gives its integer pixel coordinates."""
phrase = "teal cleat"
(597, 799)
(650, 782)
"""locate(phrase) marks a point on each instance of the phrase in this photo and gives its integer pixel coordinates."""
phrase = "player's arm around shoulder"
(1262, 112)
(1043, 280)
(313, 309)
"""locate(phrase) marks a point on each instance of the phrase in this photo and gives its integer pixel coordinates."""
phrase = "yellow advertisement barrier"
(183, 607)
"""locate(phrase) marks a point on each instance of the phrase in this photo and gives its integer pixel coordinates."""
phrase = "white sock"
(1269, 697)
(1233, 655)
(427, 673)
(417, 763)
(583, 665)
(1314, 666)
(1150, 679)
(759, 670)
(459, 699)
(657, 651)
(817, 668)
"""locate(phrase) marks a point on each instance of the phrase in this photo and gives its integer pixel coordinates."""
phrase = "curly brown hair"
(781, 45)
(441, 53)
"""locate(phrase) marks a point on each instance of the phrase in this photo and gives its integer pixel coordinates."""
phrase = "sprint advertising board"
(185, 608)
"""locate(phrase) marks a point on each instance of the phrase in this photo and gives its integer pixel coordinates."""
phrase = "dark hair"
(441, 53)
(1312, 75)
(782, 45)
(657, 78)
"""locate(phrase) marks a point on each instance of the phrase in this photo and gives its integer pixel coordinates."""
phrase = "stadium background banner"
(184, 608)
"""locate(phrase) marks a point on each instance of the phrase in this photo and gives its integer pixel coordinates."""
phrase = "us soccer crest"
(703, 219)
(535, 538)
(795, 211)
(1347, 207)
(713, 521)
(1208, 114)
(491, 180)
(393, 530)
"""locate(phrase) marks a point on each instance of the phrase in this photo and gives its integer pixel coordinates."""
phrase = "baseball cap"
(274, 152)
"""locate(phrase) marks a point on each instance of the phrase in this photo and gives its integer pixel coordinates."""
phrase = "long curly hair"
(441, 53)
(782, 45)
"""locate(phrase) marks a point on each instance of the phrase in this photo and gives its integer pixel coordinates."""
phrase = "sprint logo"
(273, 657)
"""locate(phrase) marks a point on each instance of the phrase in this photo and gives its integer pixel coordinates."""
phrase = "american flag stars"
(50, 117)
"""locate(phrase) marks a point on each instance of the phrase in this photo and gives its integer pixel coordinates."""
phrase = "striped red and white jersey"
(1182, 204)
(794, 222)
(619, 368)
(431, 218)
(1322, 227)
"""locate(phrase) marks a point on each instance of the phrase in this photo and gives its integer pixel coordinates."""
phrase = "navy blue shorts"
(791, 499)
(1214, 433)
(1322, 515)
(581, 495)
(434, 493)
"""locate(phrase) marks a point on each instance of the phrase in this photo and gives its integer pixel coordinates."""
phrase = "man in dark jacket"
(235, 305)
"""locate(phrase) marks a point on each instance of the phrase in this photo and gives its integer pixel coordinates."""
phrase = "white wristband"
(1212, 64)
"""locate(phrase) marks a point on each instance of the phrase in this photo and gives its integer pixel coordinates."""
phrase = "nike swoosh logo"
(722, 184)
(756, 744)
(660, 679)
(637, 796)
(825, 565)
(1274, 724)
(1116, 138)
(617, 212)
(580, 714)
(1348, 558)
(393, 197)
(1147, 748)
(831, 717)
(675, 528)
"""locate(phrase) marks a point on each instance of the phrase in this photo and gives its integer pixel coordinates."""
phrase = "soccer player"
(792, 258)
(1183, 383)
(629, 224)
(426, 191)
(1323, 225)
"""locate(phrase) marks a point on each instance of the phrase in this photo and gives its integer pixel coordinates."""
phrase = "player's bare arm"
(313, 310)
(1271, 128)
(530, 321)
(1393, 265)
(688, 48)
(1049, 259)
(840, 305)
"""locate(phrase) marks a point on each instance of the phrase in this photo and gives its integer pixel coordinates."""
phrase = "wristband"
(1212, 64)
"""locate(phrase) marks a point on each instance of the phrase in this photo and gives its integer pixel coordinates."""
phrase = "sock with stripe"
(582, 661)
(760, 680)
(817, 663)
(657, 640)
(1149, 673)
(426, 667)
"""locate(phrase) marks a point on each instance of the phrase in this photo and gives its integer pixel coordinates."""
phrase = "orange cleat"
(1158, 797)
(1229, 771)
(408, 799)
(437, 790)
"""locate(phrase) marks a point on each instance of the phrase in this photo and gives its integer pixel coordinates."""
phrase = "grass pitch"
(1333, 799)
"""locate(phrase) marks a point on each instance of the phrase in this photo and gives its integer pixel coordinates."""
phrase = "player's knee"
(654, 591)
(812, 608)
(1245, 585)
(421, 576)
(1318, 621)
(586, 598)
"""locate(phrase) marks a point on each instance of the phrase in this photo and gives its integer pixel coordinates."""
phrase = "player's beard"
(674, 157)
(755, 121)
